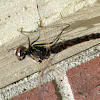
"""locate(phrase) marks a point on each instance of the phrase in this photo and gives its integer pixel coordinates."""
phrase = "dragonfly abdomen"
(65, 44)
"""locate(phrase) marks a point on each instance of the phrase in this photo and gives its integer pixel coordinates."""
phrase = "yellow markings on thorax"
(40, 46)
(25, 51)
(33, 47)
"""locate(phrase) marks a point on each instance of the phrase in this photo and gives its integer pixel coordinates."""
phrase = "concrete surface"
(85, 21)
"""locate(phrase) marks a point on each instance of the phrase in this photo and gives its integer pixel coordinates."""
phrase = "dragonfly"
(39, 52)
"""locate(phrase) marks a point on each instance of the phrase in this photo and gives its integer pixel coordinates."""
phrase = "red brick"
(85, 80)
(47, 92)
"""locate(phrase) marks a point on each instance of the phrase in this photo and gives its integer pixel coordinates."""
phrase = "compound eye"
(20, 53)
(17, 53)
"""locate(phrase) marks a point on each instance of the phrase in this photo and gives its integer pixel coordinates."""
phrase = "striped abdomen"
(65, 44)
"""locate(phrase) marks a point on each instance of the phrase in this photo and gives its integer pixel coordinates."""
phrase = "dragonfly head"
(21, 52)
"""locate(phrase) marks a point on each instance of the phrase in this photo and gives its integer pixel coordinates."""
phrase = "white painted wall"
(15, 14)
